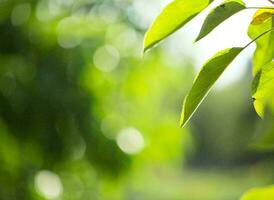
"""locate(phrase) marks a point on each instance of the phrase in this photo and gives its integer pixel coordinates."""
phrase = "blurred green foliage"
(83, 116)
(62, 107)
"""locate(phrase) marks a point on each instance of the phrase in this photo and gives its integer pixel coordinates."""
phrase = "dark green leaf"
(208, 75)
(220, 14)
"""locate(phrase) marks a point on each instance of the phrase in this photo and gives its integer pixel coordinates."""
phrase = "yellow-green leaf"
(264, 52)
(208, 75)
(174, 16)
(261, 16)
(263, 87)
(220, 14)
(266, 193)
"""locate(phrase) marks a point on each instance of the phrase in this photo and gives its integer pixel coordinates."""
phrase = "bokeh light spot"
(20, 14)
(66, 38)
(106, 58)
(130, 141)
(111, 124)
(107, 13)
(48, 184)
(42, 11)
(79, 148)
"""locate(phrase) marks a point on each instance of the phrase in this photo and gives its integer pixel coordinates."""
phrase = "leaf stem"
(270, 8)
(262, 34)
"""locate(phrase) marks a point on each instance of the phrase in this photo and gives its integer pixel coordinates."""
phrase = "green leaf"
(266, 193)
(263, 87)
(174, 16)
(219, 15)
(264, 52)
(264, 137)
(208, 75)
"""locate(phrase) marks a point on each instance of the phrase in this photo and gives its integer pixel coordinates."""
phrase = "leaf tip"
(198, 38)
(147, 44)
(182, 124)
(144, 48)
(259, 108)
(144, 51)
(183, 119)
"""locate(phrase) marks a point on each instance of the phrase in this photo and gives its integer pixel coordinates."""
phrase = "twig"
(258, 37)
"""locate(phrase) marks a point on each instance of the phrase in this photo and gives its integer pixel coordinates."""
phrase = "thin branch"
(269, 8)
(271, 1)
(262, 34)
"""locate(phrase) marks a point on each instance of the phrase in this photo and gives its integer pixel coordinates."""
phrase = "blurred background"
(84, 116)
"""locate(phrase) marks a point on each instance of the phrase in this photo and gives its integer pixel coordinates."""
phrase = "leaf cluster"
(179, 12)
